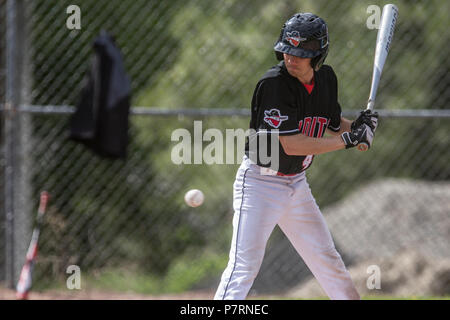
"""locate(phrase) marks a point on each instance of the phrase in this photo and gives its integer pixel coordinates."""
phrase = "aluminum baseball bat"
(384, 39)
(25, 279)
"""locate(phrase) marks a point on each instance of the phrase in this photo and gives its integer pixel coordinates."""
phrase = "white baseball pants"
(260, 203)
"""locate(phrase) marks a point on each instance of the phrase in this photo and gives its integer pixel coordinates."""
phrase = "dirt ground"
(9, 294)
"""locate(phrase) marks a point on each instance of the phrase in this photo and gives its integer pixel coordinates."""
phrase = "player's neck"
(307, 77)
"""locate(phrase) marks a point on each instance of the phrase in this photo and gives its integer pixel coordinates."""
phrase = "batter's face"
(298, 67)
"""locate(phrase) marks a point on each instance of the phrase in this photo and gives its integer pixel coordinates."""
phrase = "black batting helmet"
(304, 35)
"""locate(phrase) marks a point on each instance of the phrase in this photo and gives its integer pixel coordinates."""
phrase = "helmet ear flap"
(278, 54)
(318, 61)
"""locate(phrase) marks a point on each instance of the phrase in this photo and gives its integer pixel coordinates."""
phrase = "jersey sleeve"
(276, 108)
(336, 112)
(335, 120)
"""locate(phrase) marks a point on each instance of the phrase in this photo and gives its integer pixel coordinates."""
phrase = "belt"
(270, 172)
(286, 175)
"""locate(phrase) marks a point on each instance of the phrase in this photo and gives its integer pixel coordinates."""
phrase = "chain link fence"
(125, 223)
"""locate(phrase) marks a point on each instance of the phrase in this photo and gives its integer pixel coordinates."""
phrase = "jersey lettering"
(313, 126)
(306, 125)
(323, 126)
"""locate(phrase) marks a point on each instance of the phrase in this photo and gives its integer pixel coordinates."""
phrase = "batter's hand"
(368, 117)
(362, 133)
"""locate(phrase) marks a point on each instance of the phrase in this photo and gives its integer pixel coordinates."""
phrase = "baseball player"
(296, 100)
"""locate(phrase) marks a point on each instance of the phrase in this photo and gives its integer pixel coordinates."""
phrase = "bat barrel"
(384, 38)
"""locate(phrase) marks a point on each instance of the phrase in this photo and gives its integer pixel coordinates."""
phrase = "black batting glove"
(362, 133)
(368, 117)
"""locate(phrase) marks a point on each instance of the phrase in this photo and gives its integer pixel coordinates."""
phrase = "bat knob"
(362, 146)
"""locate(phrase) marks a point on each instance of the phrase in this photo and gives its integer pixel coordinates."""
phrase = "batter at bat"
(298, 101)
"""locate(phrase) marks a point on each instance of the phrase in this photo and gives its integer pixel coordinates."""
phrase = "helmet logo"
(274, 118)
(294, 38)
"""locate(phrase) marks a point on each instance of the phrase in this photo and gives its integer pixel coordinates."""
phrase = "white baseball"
(194, 198)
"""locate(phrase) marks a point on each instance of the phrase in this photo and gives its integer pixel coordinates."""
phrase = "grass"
(185, 274)
(181, 279)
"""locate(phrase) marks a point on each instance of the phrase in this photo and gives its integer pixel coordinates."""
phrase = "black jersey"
(281, 103)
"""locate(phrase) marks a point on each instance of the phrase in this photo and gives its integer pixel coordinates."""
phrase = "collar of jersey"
(308, 87)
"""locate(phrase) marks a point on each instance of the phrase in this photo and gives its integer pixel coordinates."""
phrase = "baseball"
(194, 198)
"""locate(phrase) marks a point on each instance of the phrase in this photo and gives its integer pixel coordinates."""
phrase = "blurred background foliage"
(210, 54)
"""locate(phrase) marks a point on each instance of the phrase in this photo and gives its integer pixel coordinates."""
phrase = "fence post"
(16, 176)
